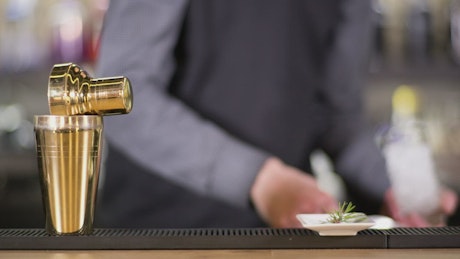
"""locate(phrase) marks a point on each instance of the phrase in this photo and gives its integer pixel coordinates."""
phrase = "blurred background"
(417, 43)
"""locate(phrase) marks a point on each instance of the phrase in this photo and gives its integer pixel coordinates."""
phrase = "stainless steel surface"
(69, 156)
(72, 91)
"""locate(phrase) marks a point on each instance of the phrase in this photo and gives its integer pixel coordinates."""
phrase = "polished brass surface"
(69, 154)
(71, 91)
(69, 144)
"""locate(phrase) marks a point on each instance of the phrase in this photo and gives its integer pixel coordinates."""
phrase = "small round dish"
(319, 223)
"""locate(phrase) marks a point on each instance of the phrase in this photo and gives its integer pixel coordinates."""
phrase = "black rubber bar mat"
(252, 238)
(445, 237)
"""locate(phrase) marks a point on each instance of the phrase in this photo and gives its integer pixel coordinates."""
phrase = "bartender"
(230, 100)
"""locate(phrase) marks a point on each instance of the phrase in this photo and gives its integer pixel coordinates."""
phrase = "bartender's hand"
(281, 191)
(447, 206)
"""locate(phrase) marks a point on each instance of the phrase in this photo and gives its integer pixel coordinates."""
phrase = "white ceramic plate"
(318, 222)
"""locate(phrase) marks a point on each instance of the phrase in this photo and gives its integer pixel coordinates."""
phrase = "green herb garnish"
(345, 214)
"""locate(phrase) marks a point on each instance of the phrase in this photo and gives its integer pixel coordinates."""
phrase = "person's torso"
(255, 67)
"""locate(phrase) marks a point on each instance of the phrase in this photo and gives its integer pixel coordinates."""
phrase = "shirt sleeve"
(349, 141)
(162, 133)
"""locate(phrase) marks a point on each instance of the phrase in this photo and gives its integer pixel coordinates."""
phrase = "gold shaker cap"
(71, 91)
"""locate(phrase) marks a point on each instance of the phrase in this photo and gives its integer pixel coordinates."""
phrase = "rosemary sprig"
(345, 214)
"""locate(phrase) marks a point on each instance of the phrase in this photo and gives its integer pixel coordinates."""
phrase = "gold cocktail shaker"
(69, 144)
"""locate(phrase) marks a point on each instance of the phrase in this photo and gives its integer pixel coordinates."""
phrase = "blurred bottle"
(418, 32)
(98, 9)
(19, 48)
(409, 158)
(70, 34)
(379, 16)
(454, 34)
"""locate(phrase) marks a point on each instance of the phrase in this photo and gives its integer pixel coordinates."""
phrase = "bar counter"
(439, 242)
